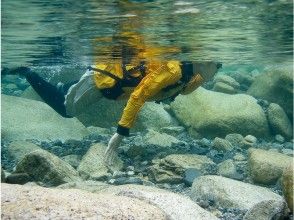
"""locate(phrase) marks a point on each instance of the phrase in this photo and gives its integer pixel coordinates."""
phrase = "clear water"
(235, 32)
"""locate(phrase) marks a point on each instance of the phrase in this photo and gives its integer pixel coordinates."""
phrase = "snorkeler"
(147, 81)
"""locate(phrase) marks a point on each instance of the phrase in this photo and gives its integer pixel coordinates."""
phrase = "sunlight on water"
(57, 33)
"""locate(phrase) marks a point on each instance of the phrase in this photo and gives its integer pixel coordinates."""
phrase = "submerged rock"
(160, 139)
(18, 149)
(3, 178)
(279, 121)
(161, 175)
(92, 165)
(275, 85)
(222, 144)
(28, 119)
(227, 168)
(173, 205)
(228, 80)
(228, 193)
(89, 185)
(269, 209)
(110, 111)
(172, 168)
(47, 168)
(18, 178)
(216, 114)
(287, 185)
(28, 202)
(266, 167)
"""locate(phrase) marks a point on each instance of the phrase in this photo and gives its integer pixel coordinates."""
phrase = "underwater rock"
(175, 206)
(227, 168)
(228, 80)
(33, 202)
(228, 193)
(47, 168)
(110, 111)
(279, 122)
(92, 165)
(72, 159)
(214, 114)
(222, 144)
(287, 185)
(190, 175)
(18, 178)
(30, 93)
(181, 162)
(3, 178)
(18, 149)
(158, 174)
(249, 141)
(275, 85)
(28, 119)
(154, 143)
(160, 139)
(224, 88)
(266, 167)
(269, 209)
(243, 78)
(173, 131)
(172, 168)
(154, 116)
(235, 139)
(89, 185)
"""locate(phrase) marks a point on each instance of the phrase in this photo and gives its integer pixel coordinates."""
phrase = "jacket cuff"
(123, 130)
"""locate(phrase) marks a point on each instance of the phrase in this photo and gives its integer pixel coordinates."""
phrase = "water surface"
(46, 33)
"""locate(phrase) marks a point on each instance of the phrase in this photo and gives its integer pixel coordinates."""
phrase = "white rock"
(28, 119)
(217, 114)
(173, 205)
(229, 193)
(27, 202)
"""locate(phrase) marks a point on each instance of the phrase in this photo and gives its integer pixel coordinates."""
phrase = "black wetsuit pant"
(52, 95)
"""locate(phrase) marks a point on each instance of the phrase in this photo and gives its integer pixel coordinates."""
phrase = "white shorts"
(81, 95)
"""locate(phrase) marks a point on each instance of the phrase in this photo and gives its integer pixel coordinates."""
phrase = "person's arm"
(148, 87)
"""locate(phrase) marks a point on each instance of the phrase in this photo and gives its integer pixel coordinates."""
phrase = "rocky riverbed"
(218, 153)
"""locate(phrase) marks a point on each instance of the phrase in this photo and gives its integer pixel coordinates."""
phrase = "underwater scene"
(147, 109)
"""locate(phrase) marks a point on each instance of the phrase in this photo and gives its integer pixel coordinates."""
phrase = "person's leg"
(49, 93)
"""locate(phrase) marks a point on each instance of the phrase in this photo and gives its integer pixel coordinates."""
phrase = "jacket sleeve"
(147, 88)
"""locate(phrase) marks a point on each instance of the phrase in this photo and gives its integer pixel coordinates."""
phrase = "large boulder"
(275, 85)
(33, 202)
(92, 165)
(173, 205)
(228, 193)
(267, 167)
(279, 121)
(28, 119)
(213, 114)
(47, 168)
(106, 113)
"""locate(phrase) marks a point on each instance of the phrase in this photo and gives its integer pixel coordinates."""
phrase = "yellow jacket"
(158, 76)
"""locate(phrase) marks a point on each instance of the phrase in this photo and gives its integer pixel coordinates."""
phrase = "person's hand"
(113, 144)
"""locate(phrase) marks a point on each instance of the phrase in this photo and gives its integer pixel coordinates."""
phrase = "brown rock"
(287, 185)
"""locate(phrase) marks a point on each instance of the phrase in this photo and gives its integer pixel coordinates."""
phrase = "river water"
(254, 33)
